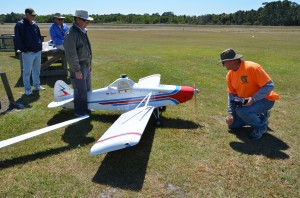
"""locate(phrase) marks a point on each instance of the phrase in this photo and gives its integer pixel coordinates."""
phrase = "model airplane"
(137, 100)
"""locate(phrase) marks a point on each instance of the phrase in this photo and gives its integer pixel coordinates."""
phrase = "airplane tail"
(63, 94)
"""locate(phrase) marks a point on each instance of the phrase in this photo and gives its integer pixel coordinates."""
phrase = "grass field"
(192, 155)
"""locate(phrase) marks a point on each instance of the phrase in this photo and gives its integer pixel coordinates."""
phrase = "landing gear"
(162, 108)
(159, 122)
(157, 114)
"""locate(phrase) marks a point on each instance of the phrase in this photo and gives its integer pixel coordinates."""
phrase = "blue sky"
(186, 7)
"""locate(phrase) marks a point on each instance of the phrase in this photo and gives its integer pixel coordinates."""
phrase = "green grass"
(193, 155)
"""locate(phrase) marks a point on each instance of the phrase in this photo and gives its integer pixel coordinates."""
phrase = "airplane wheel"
(162, 108)
(159, 122)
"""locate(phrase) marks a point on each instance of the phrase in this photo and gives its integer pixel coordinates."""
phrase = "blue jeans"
(31, 62)
(81, 87)
(254, 115)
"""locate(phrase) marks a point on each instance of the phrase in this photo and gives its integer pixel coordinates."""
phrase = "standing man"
(79, 56)
(28, 40)
(250, 94)
(58, 30)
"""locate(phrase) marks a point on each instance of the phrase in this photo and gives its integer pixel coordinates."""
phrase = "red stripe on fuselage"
(184, 94)
(130, 133)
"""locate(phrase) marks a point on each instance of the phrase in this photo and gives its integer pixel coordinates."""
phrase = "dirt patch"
(4, 104)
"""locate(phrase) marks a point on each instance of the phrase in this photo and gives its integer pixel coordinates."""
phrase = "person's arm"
(19, 37)
(264, 91)
(230, 107)
(71, 52)
(229, 117)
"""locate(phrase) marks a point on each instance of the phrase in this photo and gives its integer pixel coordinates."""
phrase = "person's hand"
(78, 75)
(250, 102)
(229, 119)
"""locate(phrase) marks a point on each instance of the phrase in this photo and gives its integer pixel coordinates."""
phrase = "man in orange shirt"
(250, 94)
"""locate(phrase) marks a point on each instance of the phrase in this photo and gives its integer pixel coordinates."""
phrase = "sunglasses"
(86, 21)
(60, 19)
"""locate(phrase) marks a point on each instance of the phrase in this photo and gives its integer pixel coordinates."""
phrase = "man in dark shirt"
(79, 56)
(28, 40)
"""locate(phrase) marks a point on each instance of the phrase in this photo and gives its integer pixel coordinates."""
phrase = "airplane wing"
(125, 132)
(26, 136)
(152, 80)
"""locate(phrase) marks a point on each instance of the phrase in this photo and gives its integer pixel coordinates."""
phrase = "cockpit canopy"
(121, 84)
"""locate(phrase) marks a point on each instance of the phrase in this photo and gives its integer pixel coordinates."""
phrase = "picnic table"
(53, 61)
(7, 43)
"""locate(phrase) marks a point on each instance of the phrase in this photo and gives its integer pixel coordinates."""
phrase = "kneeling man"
(250, 94)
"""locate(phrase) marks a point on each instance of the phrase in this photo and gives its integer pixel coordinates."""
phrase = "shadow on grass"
(21, 103)
(26, 100)
(126, 168)
(268, 145)
(50, 80)
(123, 169)
(46, 80)
(74, 135)
(177, 123)
(15, 57)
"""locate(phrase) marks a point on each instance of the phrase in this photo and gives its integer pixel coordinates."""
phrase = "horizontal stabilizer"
(125, 132)
(26, 136)
(60, 103)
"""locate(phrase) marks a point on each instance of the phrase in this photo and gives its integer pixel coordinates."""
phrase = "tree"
(284, 13)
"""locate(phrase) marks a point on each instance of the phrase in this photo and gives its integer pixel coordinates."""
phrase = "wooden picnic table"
(53, 61)
(7, 43)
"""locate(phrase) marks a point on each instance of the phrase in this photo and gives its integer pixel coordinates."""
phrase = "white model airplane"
(137, 100)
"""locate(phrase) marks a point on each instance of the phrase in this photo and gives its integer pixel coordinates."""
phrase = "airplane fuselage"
(112, 98)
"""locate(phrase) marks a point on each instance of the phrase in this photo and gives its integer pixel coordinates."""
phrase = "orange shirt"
(247, 80)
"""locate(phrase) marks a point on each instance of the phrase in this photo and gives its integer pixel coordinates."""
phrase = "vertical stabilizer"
(63, 94)
(62, 91)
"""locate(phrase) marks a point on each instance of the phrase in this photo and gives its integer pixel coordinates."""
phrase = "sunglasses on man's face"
(86, 21)
(60, 19)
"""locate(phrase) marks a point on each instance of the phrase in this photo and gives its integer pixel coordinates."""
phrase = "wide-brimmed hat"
(83, 15)
(58, 16)
(229, 54)
(30, 11)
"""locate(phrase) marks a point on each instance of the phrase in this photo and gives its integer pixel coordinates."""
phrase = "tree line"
(277, 13)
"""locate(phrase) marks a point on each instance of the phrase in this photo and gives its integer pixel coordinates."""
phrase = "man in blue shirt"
(57, 31)
(28, 40)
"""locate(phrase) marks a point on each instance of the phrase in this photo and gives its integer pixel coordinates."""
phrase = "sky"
(178, 7)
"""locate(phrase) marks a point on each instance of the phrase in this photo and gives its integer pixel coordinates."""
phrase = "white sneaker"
(39, 88)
